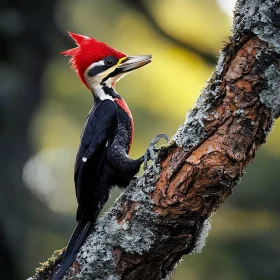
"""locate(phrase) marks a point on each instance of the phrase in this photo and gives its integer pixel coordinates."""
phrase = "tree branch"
(160, 218)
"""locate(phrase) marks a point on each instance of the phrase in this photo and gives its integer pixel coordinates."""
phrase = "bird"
(102, 159)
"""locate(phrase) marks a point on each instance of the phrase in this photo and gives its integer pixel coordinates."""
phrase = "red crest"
(88, 51)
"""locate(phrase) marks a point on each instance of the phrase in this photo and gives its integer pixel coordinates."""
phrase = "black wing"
(98, 134)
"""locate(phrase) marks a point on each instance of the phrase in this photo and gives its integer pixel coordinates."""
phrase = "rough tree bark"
(162, 217)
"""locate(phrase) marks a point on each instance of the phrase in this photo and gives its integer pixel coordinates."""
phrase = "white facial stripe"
(99, 92)
(114, 79)
(98, 63)
(97, 79)
(94, 82)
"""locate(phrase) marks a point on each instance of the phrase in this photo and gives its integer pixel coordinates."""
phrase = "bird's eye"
(109, 62)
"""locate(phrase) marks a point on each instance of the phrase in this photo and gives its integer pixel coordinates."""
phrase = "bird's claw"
(150, 153)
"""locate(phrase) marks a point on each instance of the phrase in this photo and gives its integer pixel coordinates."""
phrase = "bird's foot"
(150, 153)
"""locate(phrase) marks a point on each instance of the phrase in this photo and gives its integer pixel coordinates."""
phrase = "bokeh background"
(43, 107)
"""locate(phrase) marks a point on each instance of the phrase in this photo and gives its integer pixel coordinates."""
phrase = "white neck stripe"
(98, 91)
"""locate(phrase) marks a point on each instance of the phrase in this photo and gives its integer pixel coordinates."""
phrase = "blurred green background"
(43, 107)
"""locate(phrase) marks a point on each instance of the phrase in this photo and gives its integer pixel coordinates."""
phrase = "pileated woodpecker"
(102, 159)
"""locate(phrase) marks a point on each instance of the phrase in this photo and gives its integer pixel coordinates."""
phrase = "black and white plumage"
(102, 159)
(102, 162)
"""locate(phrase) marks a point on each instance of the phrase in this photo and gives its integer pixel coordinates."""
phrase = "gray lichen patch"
(270, 96)
(190, 134)
(201, 239)
(97, 257)
(192, 131)
(261, 17)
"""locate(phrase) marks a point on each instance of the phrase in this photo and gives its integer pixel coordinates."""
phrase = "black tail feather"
(72, 242)
(77, 239)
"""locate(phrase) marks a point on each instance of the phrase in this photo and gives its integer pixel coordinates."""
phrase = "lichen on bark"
(262, 18)
(270, 96)
(116, 232)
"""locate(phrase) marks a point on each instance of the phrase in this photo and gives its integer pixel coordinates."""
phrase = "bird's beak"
(133, 62)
